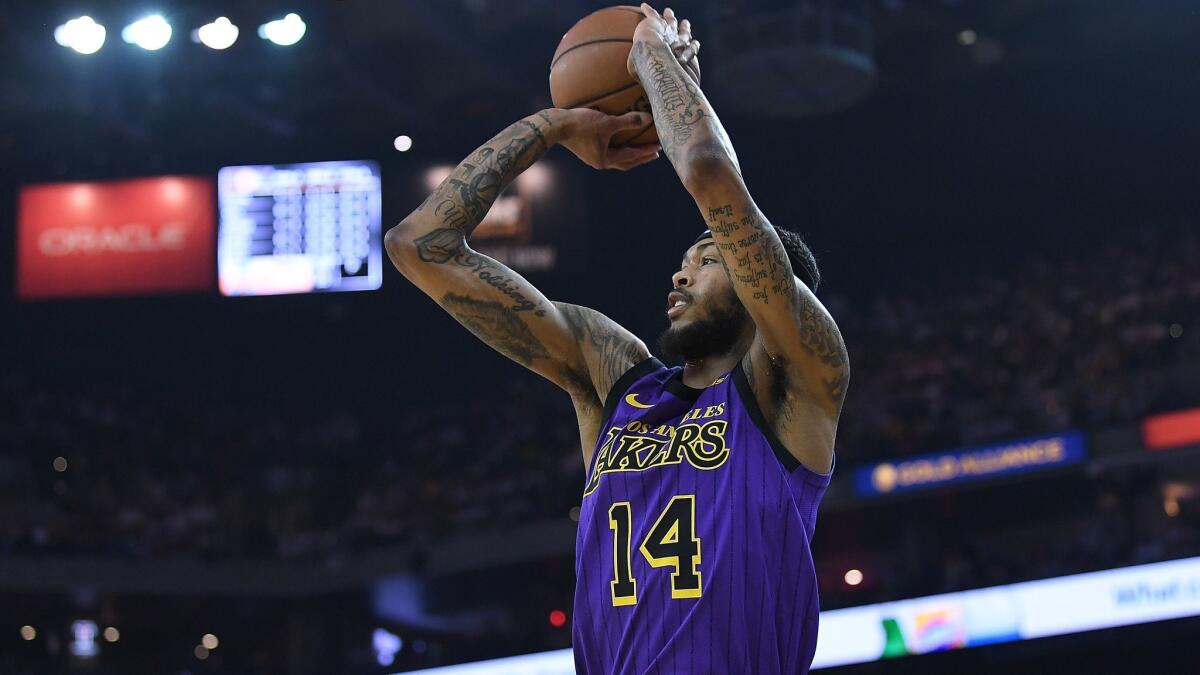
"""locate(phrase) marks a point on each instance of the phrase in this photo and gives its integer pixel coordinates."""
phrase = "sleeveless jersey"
(692, 554)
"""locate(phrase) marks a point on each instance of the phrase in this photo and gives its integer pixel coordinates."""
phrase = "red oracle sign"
(148, 235)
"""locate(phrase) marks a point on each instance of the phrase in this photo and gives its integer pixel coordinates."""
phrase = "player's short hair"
(804, 263)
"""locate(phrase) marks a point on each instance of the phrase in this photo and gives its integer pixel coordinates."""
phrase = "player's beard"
(716, 333)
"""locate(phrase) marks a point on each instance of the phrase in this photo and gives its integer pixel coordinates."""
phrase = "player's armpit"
(608, 349)
(493, 302)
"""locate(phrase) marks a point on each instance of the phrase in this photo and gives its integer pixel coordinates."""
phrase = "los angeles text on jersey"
(637, 446)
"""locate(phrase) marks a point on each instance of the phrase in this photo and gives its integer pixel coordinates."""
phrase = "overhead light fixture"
(283, 32)
(219, 34)
(82, 34)
(151, 33)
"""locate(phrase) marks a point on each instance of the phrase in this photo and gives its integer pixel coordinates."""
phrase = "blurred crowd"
(1061, 341)
(1081, 340)
(108, 471)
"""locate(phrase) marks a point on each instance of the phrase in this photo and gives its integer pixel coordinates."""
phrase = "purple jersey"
(692, 554)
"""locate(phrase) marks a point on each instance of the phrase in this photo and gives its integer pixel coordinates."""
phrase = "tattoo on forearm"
(674, 97)
(446, 245)
(616, 351)
(496, 325)
(463, 199)
(754, 257)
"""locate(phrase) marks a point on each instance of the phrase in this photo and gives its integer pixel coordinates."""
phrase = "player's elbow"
(706, 163)
(400, 244)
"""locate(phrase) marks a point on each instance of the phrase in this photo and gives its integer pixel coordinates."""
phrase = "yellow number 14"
(671, 542)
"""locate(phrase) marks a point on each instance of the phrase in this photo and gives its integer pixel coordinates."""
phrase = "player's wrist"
(555, 124)
(564, 123)
(644, 45)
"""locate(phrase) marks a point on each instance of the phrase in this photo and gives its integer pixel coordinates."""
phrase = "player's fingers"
(693, 68)
(685, 31)
(631, 120)
(632, 155)
(649, 12)
(689, 52)
(627, 166)
(672, 22)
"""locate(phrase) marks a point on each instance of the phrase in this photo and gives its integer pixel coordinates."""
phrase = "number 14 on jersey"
(671, 542)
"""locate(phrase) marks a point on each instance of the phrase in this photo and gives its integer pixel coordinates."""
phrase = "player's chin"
(679, 320)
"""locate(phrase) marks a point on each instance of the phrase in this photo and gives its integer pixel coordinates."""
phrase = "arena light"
(283, 32)
(853, 577)
(82, 34)
(83, 639)
(111, 634)
(403, 143)
(220, 34)
(386, 645)
(210, 641)
(151, 33)
(28, 633)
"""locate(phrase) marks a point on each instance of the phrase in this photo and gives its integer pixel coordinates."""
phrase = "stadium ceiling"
(435, 69)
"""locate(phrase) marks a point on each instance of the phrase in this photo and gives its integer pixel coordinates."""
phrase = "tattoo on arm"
(676, 100)
(614, 349)
(463, 199)
(758, 264)
(496, 325)
(448, 245)
(752, 253)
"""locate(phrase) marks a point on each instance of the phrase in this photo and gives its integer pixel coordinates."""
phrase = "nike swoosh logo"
(632, 400)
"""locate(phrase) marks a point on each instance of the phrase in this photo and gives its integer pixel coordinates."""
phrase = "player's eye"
(707, 259)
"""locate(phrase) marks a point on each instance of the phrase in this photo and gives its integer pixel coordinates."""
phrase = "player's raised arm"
(794, 329)
(577, 348)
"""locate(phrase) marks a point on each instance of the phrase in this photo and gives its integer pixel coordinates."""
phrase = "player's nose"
(679, 279)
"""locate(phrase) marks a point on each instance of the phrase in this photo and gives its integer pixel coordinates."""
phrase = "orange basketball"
(588, 69)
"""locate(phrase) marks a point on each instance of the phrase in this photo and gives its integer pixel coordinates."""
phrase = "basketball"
(588, 69)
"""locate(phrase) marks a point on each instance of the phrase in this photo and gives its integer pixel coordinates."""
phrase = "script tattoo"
(496, 325)
(447, 244)
(676, 100)
(759, 262)
(756, 260)
(616, 350)
(463, 199)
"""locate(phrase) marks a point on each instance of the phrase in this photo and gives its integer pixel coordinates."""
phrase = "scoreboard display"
(299, 228)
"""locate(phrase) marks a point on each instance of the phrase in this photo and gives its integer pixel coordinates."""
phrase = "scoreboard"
(299, 228)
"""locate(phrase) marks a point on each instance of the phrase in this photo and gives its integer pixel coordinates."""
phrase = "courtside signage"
(148, 235)
(956, 466)
(1172, 430)
(1073, 604)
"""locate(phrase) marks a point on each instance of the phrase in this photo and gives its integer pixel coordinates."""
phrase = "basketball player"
(702, 481)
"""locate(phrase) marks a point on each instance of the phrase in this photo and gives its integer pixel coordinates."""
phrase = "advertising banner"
(956, 466)
(1172, 430)
(1072, 604)
(148, 235)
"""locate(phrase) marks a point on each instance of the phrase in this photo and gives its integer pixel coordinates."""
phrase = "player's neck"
(700, 373)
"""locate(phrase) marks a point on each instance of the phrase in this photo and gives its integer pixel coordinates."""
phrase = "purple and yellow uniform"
(692, 554)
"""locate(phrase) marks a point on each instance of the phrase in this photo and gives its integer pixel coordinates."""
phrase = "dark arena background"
(213, 460)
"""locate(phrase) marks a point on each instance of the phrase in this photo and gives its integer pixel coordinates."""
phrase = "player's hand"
(588, 134)
(667, 29)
